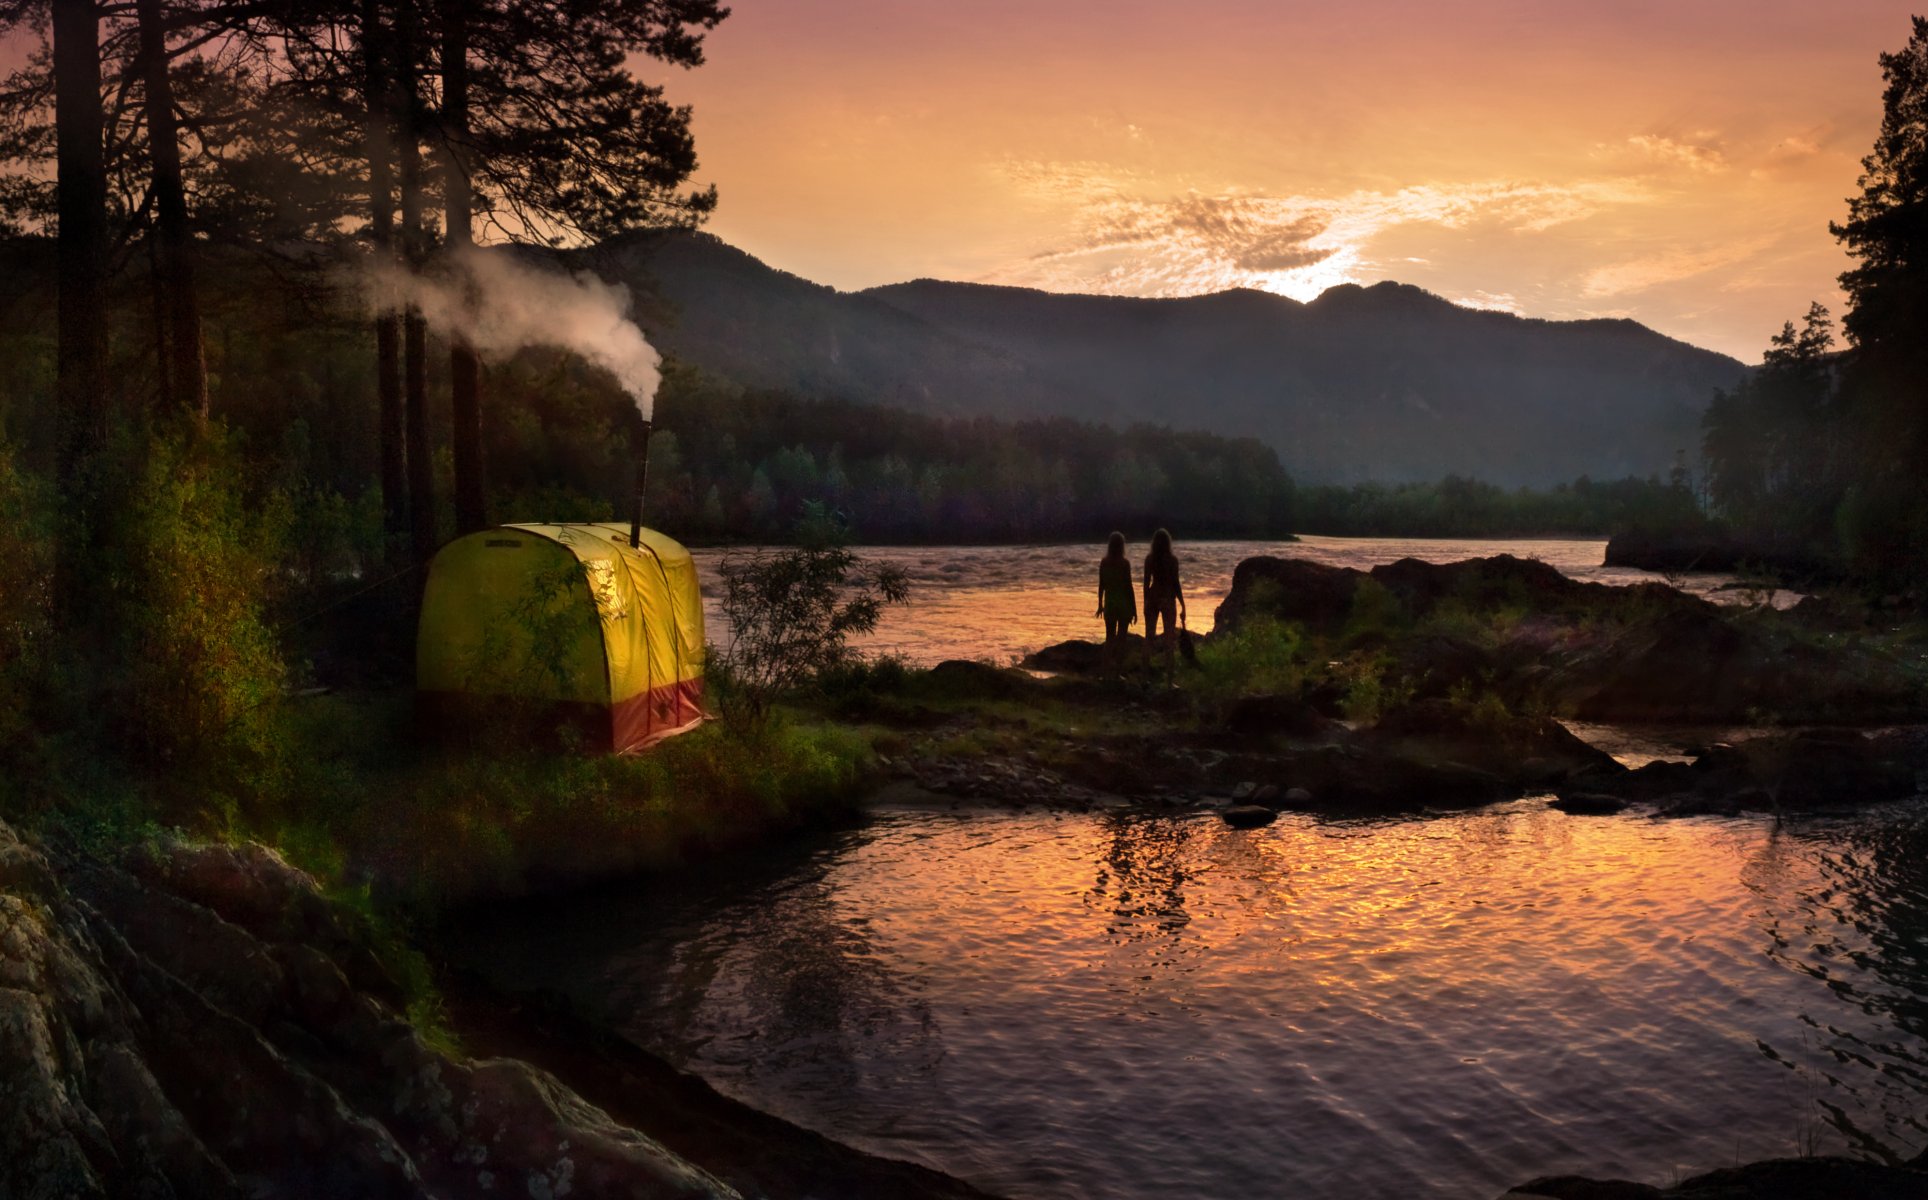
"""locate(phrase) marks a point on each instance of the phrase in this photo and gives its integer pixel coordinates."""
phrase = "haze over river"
(1141, 1004)
(998, 603)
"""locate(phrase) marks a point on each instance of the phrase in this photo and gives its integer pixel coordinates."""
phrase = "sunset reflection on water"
(1127, 1005)
(998, 603)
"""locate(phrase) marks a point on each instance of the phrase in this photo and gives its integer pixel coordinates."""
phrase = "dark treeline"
(1456, 507)
(742, 464)
(1822, 454)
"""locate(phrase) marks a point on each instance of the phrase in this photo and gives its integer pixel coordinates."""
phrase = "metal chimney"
(642, 485)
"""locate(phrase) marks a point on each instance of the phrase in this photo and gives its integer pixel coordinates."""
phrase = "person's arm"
(1179, 591)
(1101, 589)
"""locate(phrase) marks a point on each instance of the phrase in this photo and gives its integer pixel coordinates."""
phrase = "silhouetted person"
(1163, 598)
(1117, 601)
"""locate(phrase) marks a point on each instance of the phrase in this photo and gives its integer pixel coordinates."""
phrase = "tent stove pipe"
(642, 484)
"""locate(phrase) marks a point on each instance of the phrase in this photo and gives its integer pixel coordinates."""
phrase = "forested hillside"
(1385, 383)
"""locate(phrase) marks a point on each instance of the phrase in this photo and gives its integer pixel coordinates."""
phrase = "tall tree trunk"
(381, 225)
(421, 467)
(465, 370)
(81, 375)
(185, 365)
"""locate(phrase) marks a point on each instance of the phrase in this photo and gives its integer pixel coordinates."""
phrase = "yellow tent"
(564, 621)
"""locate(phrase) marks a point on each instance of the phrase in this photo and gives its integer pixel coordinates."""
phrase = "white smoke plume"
(502, 305)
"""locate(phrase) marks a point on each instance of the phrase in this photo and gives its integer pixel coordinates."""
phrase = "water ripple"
(1130, 1006)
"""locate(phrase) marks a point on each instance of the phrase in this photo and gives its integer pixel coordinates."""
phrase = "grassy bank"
(361, 804)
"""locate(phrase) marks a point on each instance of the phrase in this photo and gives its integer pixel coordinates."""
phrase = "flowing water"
(999, 603)
(1126, 1005)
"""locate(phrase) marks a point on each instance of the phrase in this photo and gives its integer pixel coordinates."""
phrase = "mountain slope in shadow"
(1387, 382)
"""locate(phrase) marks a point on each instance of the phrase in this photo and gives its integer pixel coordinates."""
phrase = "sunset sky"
(1675, 162)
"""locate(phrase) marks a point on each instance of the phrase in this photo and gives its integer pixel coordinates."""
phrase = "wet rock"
(1525, 751)
(1297, 797)
(1244, 791)
(1081, 657)
(1267, 796)
(1819, 1178)
(1708, 805)
(1349, 779)
(1573, 1187)
(1709, 550)
(1539, 771)
(1248, 816)
(1588, 804)
(1270, 715)
(1822, 770)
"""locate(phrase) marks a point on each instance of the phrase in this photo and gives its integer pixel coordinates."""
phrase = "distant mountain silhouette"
(1388, 382)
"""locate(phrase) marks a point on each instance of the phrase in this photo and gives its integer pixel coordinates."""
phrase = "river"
(998, 603)
(1066, 1006)
(1132, 1004)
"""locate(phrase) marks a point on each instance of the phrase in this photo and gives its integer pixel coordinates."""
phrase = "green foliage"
(27, 640)
(204, 675)
(900, 476)
(1769, 445)
(1459, 507)
(1884, 230)
(792, 612)
(1369, 691)
(1376, 613)
(449, 829)
(1484, 708)
(1263, 656)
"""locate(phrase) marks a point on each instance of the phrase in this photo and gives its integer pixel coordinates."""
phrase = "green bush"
(1263, 656)
(791, 614)
(204, 677)
(27, 642)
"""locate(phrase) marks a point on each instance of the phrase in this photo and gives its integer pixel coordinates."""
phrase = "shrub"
(26, 606)
(792, 613)
(1262, 656)
(204, 673)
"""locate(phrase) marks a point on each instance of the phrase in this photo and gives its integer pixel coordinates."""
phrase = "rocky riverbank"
(1537, 639)
(1817, 1178)
(1715, 550)
(200, 1021)
(189, 1019)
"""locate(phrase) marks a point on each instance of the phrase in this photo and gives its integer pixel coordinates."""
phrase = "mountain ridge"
(1384, 381)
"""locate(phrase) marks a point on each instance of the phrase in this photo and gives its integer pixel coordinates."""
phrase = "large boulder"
(1081, 657)
(194, 1024)
(1820, 1178)
(1479, 583)
(1350, 779)
(1527, 751)
(1287, 589)
(1269, 715)
(1712, 550)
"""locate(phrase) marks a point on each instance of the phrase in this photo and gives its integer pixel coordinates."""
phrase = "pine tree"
(1886, 388)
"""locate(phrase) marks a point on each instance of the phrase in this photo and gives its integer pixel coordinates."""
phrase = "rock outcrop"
(1814, 769)
(199, 1021)
(1818, 1178)
(1712, 550)
(1536, 638)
